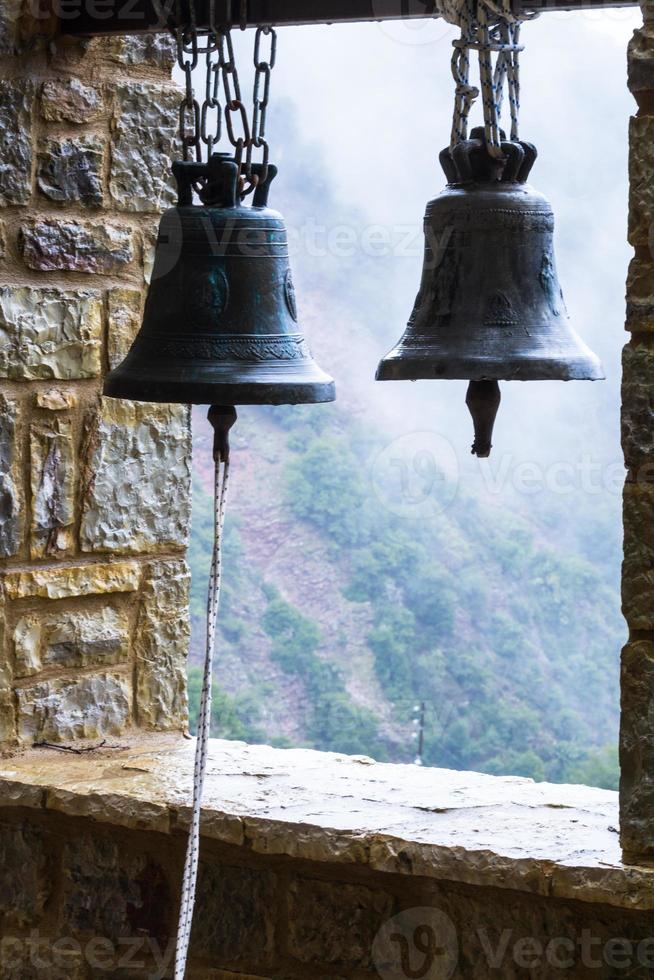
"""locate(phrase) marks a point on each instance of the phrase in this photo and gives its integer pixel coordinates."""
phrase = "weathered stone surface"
(124, 321)
(145, 127)
(83, 639)
(69, 100)
(638, 568)
(239, 910)
(79, 639)
(50, 333)
(11, 510)
(16, 104)
(335, 924)
(101, 887)
(153, 50)
(23, 880)
(641, 178)
(71, 246)
(641, 60)
(61, 710)
(52, 458)
(55, 400)
(10, 26)
(640, 296)
(63, 583)
(27, 646)
(537, 839)
(637, 747)
(138, 497)
(637, 406)
(70, 170)
(40, 958)
(162, 637)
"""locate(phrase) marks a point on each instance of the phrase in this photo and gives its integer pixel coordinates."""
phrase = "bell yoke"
(490, 307)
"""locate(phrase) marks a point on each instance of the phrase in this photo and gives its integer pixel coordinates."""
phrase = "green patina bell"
(220, 325)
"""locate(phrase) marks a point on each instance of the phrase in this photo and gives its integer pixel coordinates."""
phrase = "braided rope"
(189, 884)
(490, 28)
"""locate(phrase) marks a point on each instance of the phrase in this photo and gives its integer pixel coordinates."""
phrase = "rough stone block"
(70, 170)
(64, 583)
(27, 646)
(7, 718)
(641, 178)
(145, 135)
(640, 296)
(641, 60)
(16, 105)
(11, 509)
(153, 50)
(79, 639)
(638, 406)
(335, 924)
(237, 924)
(52, 459)
(638, 568)
(138, 490)
(55, 400)
(637, 747)
(69, 100)
(61, 710)
(124, 321)
(24, 882)
(73, 246)
(109, 892)
(50, 333)
(162, 637)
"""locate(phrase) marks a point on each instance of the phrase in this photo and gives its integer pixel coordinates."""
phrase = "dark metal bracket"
(91, 17)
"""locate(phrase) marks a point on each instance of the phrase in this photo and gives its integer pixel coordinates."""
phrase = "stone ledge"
(548, 840)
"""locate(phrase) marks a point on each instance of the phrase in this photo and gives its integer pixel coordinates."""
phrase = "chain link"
(203, 126)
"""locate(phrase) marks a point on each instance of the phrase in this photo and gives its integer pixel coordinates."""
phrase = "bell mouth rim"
(217, 393)
(409, 369)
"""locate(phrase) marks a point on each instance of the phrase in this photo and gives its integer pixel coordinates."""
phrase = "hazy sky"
(375, 100)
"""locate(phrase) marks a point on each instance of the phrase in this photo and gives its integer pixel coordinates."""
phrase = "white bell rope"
(189, 883)
(488, 28)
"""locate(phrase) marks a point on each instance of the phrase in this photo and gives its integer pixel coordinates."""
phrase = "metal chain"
(261, 99)
(201, 126)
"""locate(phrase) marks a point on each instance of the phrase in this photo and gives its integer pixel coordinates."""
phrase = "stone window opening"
(308, 858)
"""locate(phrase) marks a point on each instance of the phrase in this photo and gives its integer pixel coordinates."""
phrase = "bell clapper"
(222, 418)
(483, 400)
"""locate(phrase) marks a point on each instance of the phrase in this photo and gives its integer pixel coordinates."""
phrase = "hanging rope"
(488, 28)
(222, 420)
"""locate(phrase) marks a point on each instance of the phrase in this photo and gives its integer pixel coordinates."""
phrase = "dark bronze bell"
(220, 323)
(490, 306)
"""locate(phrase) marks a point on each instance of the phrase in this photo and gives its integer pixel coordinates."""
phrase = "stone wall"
(80, 901)
(94, 494)
(637, 739)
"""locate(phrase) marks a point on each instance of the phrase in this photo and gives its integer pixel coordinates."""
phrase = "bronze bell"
(490, 306)
(220, 323)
